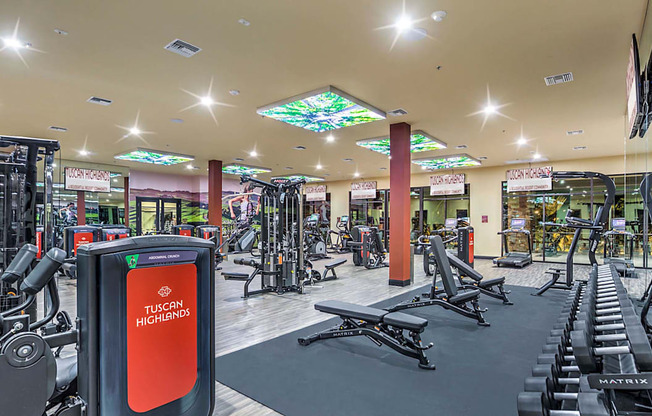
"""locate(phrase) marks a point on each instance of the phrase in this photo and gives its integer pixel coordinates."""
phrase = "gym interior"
(195, 208)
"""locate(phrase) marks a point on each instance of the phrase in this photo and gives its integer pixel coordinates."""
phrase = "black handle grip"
(43, 272)
(19, 265)
(246, 262)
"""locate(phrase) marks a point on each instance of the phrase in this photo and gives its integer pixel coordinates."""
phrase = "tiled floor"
(241, 323)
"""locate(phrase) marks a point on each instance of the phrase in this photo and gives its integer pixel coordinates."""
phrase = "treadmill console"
(450, 223)
(618, 224)
(517, 223)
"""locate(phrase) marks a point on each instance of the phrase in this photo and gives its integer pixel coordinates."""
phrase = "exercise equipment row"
(597, 357)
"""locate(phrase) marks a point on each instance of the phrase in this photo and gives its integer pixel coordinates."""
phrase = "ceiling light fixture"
(135, 131)
(330, 138)
(489, 110)
(356, 174)
(521, 141)
(190, 167)
(439, 15)
(83, 152)
(207, 101)
(244, 22)
(319, 166)
(536, 156)
(403, 24)
(253, 153)
(13, 43)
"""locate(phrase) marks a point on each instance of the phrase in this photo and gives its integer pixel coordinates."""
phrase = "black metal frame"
(596, 227)
(379, 334)
(160, 206)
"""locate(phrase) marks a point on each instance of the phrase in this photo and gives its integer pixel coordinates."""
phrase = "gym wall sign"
(88, 180)
(363, 190)
(315, 193)
(447, 184)
(529, 179)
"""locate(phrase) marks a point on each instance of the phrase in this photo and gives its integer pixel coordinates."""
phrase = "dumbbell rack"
(597, 360)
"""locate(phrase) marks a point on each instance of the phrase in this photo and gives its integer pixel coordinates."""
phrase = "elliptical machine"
(342, 236)
(313, 239)
(624, 265)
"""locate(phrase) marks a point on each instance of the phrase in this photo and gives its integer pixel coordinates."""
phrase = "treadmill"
(624, 265)
(515, 258)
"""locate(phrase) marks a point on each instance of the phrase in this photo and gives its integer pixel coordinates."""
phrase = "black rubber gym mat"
(480, 371)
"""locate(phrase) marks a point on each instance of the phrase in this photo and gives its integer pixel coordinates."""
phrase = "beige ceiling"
(115, 50)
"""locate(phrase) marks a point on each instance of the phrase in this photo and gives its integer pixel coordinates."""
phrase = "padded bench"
(358, 320)
(372, 315)
(235, 276)
(330, 268)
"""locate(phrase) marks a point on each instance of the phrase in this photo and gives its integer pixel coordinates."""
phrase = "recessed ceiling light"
(461, 146)
(244, 22)
(319, 166)
(439, 15)
(253, 153)
(330, 138)
(356, 174)
(134, 131)
(109, 195)
(83, 153)
(489, 109)
(239, 159)
(482, 157)
(176, 120)
(207, 101)
(579, 148)
(60, 32)
(234, 92)
(299, 147)
(536, 156)
(521, 141)
(14, 43)
(190, 167)
(348, 159)
(403, 24)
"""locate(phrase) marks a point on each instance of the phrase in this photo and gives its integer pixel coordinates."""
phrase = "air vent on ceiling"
(100, 101)
(182, 48)
(397, 112)
(239, 159)
(579, 148)
(559, 79)
(289, 167)
(461, 146)
(482, 157)
(533, 160)
(56, 128)
(348, 159)
(574, 132)
(299, 147)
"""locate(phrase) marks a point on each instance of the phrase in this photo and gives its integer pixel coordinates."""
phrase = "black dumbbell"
(553, 390)
(537, 404)
(585, 354)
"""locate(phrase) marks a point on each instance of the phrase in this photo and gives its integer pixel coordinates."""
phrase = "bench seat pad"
(405, 321)
(351, 310)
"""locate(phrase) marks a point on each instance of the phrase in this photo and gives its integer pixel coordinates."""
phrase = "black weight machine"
(595, 226)
(368, 248)
(515, 258)
(455, 231)
(282, 265)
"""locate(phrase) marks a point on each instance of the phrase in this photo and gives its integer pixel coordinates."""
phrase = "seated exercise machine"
(596, 226)
(464, 303)
(380, 326)
(368, 248)
(624, 265)
(163, 325)
(456, 232)
(342, 236)
(515, 258)
(282, 266)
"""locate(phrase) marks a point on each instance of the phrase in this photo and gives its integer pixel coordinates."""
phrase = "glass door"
(147, 221)
(170, 214)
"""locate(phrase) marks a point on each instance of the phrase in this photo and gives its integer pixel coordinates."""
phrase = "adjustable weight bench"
(464, 303)
(492, 287)
(330, 268)
(380, 326)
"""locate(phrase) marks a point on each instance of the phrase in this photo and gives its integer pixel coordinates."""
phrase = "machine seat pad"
(66, 371)
(405, 321)
(492, 282)
(464, 297)
(351, 310)
(333, 264)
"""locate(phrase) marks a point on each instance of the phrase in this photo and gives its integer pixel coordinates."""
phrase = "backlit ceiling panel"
(300, 176)
(420, 141)
(239, 169)
(155, 157)
(447, 162)
(321, 110)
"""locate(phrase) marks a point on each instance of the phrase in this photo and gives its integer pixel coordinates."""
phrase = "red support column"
(215, 192)
(126, 199)
(81, 208)
(399, 204)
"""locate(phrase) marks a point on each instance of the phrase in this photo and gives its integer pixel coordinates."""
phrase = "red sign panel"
(39, 244)
(79, 239)
(471, 247)
(161, 335)
(185, 232)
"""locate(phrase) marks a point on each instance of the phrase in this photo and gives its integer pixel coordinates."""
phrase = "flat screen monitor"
(618, 224)
(344, 219)
(517, 223)
(634, 91)
(313, 218)
(450, 223)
